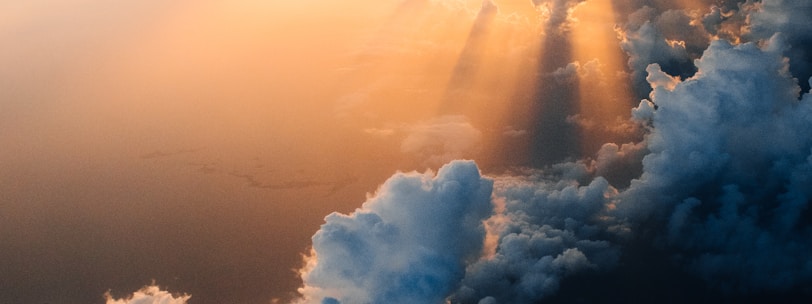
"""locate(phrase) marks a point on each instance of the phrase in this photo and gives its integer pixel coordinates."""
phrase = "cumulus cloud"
(548, 228)
(791, 19)
(420, 239)
(645, 43)
(728, 169)
(409, 243)
(149, 295)
(674, 37)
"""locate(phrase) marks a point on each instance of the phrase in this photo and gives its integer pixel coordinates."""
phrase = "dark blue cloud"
(729, 167)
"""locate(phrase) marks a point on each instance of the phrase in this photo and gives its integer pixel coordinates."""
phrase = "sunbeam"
(605, 93)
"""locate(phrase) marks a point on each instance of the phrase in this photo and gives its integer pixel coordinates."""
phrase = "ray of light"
(494, 74)
(402, 72)
(498, 45)
(534, 128)
(468, 63)
(605, 95)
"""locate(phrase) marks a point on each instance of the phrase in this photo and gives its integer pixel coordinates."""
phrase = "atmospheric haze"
(543, 151)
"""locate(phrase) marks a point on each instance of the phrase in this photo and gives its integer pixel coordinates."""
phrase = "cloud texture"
(729, 170)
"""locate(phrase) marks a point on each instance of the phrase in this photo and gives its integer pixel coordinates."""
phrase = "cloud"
(729, 168)
(791, 19)
(558, 13)
(413, 240)
(441, 139)
(149, 295)
(510, 131)
(435, 141)
(409, 243)
(673, 38)
(645, 44)
(548, 229)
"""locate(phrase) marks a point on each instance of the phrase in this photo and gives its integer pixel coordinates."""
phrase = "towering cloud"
(728, 173)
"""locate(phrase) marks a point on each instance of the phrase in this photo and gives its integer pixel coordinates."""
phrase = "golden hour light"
(494, 73)
(405, 151)
(404, 66)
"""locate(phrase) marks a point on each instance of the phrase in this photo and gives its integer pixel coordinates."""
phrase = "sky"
(405, 151)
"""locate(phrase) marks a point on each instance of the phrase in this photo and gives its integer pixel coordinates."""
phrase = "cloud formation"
(728, 169)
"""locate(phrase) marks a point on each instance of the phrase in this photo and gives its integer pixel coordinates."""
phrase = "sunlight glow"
(605, 96)
(506, 82)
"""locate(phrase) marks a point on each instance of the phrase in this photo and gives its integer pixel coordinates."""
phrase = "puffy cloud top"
(548, 230)
(408, 244)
